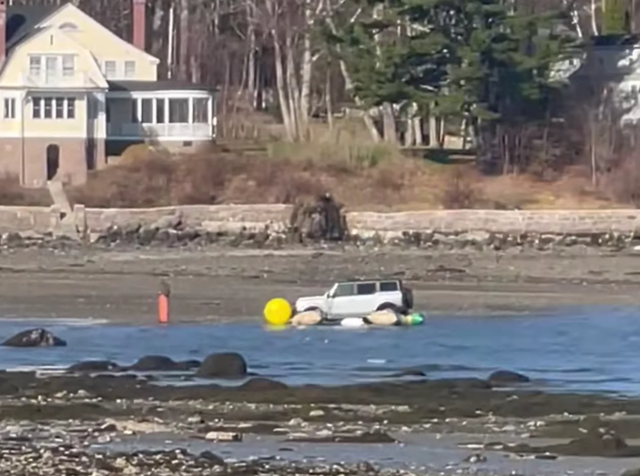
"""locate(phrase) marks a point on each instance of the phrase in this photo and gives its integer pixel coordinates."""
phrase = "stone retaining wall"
(39, 219)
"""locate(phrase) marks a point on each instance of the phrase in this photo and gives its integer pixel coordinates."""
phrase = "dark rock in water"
(260, 384)
(188, 364)
(95, 366)
(507, 376)
(631, 472)
(34, 338)
(154, 363)
(408, 373)
(223, 365)
(211, 458)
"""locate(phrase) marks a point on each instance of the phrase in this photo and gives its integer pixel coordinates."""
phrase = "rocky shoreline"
(74, 422)
(139, 236)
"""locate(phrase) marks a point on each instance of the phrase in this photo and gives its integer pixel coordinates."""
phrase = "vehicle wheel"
(388, 306)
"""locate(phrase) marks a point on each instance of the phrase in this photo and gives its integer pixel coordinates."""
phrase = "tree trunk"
(183, 55)
(390, 132)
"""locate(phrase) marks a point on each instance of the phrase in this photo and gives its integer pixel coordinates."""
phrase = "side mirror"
(328, 294)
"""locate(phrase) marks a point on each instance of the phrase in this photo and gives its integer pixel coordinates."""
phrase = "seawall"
(232, 217)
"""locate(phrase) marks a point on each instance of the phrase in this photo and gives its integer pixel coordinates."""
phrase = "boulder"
(34, 338)
(508, 377)
(94, 366)
(154, 363)
(223, 365)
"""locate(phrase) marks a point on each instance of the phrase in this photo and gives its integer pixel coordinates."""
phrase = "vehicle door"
(389, 292)
(364, 302)
(340, 296)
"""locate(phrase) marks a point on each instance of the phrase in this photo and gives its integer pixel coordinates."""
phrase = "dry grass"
(11, 193)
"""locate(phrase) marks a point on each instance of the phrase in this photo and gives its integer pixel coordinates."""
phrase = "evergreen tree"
(476, 58)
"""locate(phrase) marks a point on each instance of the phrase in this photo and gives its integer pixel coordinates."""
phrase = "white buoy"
(353, 322)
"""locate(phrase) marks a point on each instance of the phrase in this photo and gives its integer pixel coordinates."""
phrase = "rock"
(153, 363)
(223, 365)
(507, 377)
(34, 338)
(211, 458)
(95, 366)
(223, 436)
(316, 413)
(168, 222)
(475, 458)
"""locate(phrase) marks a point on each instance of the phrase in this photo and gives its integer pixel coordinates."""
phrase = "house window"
(147, 111)
(201, 110)
(160, 111)
(71, 108)
(129, 69)
(110, 69)
(68, 65)
(35, 65)
(9, 109)
(59, 102)
(68, 26)
(48, 108)
(178, 111)
(53, 108)
(37, 108)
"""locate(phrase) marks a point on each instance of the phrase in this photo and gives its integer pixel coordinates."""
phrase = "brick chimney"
(139, 23)
(3, 31)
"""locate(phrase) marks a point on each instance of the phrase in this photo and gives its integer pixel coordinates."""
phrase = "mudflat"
(223, 283)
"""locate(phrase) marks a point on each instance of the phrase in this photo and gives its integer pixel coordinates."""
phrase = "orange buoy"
(163, 303)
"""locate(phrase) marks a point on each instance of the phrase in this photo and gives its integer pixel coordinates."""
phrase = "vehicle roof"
(374, 280)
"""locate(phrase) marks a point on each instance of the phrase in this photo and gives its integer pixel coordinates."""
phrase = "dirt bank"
(224, 283)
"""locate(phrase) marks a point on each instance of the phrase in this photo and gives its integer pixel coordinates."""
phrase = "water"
(572, 350)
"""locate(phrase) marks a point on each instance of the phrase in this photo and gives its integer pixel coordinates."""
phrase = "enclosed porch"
(156, 112)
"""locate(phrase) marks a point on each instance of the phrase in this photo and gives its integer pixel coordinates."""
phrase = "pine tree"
(475, 58)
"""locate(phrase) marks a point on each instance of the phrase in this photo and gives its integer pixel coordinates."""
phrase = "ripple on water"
(576, 351)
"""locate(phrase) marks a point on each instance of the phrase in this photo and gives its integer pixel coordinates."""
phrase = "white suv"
(359, 298)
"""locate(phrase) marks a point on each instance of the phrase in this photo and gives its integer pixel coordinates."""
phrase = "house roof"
(166, 85)
(22, 21)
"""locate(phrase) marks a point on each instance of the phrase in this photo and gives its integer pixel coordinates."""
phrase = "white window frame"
(9, 108)
(129, 69)
(107, 73)
(59, 104)
(68, 65)
(35, 67)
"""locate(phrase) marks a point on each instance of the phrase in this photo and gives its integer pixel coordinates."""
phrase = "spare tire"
(407, 298)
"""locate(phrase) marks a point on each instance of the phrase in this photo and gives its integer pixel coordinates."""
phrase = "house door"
(53, 160)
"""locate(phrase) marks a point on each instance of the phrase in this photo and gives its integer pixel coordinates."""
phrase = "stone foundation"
(74, 155)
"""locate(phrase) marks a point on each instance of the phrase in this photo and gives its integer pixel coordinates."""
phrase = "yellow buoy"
(277, 312)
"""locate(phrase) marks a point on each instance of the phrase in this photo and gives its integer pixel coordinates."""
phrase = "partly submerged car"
(359, 298)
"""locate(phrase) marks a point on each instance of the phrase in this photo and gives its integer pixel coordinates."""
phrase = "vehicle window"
(344, 290)
(366, 288)
(386, 286)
